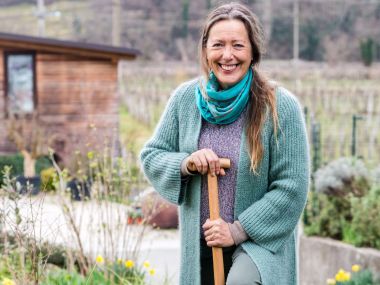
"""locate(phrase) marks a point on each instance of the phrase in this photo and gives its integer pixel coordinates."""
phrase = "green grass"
(133, 132)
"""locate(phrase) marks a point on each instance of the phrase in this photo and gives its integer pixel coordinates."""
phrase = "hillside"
(169, 29)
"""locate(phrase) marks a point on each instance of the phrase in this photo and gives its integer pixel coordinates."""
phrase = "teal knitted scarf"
(223, 107)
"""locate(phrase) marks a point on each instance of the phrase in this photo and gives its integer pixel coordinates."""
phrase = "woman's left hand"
(217, 233)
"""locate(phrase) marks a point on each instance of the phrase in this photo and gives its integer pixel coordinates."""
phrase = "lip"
(228, 68)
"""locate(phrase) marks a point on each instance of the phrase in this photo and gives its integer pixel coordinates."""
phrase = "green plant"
(42, 163)
(119, 272)
(367, 50)
(356, 277)
(47, 179)
(110, 177)
(63, 277)
(15, 161)
(342, 177)
(327, 215)
(366, 219)
(376, 175)
(345, 206)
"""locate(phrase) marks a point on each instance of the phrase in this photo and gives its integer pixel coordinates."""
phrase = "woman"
(233, 112)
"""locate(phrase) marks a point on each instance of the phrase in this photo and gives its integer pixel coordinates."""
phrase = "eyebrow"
(220, 40)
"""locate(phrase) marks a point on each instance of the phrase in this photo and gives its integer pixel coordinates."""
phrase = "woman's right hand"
(204, 159)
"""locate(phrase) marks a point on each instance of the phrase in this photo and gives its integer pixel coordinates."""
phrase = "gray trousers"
(243, 270)
(238, 267)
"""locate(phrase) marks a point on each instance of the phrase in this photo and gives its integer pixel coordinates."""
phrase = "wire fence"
(342, 114)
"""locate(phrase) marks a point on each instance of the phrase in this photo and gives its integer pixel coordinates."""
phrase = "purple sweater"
(225, 141)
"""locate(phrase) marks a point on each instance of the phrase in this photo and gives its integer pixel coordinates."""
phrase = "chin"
(227, 82)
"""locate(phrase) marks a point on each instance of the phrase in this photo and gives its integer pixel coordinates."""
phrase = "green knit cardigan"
(267, 204)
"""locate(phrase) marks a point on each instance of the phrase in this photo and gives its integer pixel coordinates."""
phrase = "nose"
(227, 53)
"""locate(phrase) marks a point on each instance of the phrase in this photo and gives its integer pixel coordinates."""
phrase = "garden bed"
(322, 258)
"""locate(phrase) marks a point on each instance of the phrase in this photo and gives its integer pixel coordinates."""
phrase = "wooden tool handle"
(217, 252)
(224, 163)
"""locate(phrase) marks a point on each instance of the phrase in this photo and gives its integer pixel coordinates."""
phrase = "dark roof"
(16, 41)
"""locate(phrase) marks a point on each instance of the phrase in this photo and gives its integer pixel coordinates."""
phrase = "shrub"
(343, 176)
(367, 49)
(15, 161)
(376, 175)
(366, 219)
(345, 206)
(327, 215)
(42, 163)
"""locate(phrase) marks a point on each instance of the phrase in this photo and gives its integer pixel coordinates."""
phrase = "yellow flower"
(342, 276)
(119, 261)
(99, 259)
(146, 264)
(129, 263)
(331, 281)
(90, 155)
(152, 271)
(355, 268)
(7, 281)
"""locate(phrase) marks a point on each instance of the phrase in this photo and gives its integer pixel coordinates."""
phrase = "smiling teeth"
(228, 67)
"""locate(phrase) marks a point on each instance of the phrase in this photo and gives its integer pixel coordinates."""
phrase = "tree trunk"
(29, 163)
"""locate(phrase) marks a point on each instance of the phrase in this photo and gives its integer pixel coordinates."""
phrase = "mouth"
(228, 67)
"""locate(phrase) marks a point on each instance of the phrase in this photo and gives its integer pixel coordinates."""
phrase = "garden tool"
(217, 252)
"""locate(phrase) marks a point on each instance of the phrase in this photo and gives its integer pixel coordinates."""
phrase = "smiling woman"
(233, 112)
(229, 52)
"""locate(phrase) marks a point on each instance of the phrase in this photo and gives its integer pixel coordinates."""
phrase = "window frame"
(6, 54)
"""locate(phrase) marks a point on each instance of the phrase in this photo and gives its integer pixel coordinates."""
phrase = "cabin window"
(20, 83)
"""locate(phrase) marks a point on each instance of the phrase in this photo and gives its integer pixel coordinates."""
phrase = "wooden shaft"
(224, 163)
(213, 197)
(217, 252)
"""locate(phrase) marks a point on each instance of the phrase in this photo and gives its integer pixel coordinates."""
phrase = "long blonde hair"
(262, 92)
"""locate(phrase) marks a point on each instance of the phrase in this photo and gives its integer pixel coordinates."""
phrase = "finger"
(214, 243)
(208, 233)
(222, 172)
(213, 161)
(207, 225)
(197, 162)
(203, 159)
(201, 162)
(209, 238)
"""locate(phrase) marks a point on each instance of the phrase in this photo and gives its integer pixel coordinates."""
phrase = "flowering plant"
(357, 276)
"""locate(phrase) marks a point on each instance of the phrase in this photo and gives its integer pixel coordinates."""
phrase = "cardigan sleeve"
(160, 157)
(270, 221)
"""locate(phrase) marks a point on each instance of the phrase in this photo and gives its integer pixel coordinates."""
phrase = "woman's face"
(228, 51)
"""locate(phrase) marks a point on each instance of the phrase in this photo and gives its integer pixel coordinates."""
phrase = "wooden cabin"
(71, 87)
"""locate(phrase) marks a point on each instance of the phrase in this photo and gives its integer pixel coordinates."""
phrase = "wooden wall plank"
(73, 95)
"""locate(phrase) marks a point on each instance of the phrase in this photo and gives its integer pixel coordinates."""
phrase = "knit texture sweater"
(268, 204)
(224, 140)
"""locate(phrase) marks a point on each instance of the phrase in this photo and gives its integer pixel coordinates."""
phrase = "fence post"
(355, 118)
(316, 144)
(305, 112)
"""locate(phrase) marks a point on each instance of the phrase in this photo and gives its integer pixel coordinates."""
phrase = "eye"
(217, 45)
(238, 45)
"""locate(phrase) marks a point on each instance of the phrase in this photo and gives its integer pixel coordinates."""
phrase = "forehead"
(228, 30)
